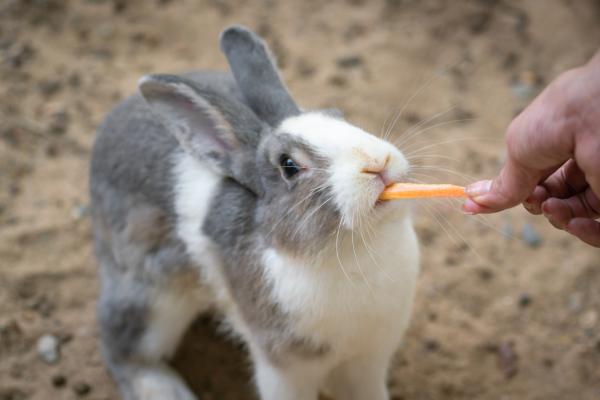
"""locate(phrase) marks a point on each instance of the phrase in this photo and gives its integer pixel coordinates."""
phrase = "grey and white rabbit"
(219, 183)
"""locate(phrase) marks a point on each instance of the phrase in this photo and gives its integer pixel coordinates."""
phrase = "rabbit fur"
(216, 188)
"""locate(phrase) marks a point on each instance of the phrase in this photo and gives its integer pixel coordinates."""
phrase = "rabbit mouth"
(381, 205)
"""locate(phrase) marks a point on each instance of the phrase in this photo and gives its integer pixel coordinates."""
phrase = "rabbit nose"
(380, 171)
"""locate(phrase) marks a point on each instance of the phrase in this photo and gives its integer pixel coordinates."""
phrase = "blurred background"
(507, 307)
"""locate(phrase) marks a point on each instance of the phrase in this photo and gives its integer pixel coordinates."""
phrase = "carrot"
(420, 190)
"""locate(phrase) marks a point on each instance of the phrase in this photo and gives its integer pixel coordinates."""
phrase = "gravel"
(48, 349)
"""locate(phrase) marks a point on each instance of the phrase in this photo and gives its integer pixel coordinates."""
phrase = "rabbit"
(215, 189)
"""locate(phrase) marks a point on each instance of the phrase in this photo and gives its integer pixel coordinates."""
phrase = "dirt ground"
(507, 307)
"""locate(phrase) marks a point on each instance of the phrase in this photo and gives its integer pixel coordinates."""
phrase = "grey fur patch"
(256, 74)
(243, 226)
(122, 324)
(210, 126)
(133, 216)
(136, 258)
(297, 218)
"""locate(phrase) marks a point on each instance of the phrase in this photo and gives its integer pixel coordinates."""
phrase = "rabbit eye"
(288, 166)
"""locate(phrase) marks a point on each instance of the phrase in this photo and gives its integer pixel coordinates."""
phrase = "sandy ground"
(496, 316)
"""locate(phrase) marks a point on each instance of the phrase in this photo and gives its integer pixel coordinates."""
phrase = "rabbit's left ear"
(221, 132)
(257, 76)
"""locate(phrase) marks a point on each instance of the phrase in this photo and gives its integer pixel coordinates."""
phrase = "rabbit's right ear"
(257, 76)
(218, 131)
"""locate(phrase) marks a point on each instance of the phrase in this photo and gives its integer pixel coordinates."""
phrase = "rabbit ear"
(257, 76)
(219, 131)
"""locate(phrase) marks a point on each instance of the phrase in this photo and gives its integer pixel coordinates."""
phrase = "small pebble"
(431, 345)
(349, 61)
(59, 122)
(524, 300)
(530, 236)
(80, 211)
(508, 359)
(548, 363)
(526, 85)
(485, 274)
(479, 22)
(82, 389)
(304, 68)
(338, 81)
(48, 349)
(50, 87)
(522, 91)
(59, 381)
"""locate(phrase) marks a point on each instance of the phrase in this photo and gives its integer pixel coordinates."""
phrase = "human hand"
(553, 158)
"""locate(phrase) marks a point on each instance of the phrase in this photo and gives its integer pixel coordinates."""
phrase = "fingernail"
(468, 207)
(478, 188)
(553, 222)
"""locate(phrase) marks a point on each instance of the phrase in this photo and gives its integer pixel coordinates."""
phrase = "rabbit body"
(211, 188)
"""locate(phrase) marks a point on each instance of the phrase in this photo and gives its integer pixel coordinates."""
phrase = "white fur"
(362, 311)
(195, 189)
(171, 311)
(160, 383)
(358, 309)
(170, 315)
(298, 381)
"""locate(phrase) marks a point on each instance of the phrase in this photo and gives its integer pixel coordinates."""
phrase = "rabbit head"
(311, 176)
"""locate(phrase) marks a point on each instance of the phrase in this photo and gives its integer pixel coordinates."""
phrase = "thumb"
(513, 184)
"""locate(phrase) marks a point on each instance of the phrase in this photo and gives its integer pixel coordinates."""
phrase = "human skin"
(553, 158)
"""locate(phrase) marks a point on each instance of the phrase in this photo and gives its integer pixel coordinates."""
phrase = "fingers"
(513, 185)
(567, 181)
(582, 205)
(576, 215)
(533, 203)
(585, 229)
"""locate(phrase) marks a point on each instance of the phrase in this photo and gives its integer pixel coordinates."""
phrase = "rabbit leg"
(359, 379)
(293, 381)
(139, 330)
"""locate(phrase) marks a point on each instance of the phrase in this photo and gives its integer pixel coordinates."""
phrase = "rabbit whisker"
(443, 169)
(372, 254)
(438, 125)
(337, 253)
(460, 139)
(353, 227)
(414, 131)
(432, 156)
(307, 217)
(289, 211)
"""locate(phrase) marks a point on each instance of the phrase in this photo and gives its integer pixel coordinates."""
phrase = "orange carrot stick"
(420, 190)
